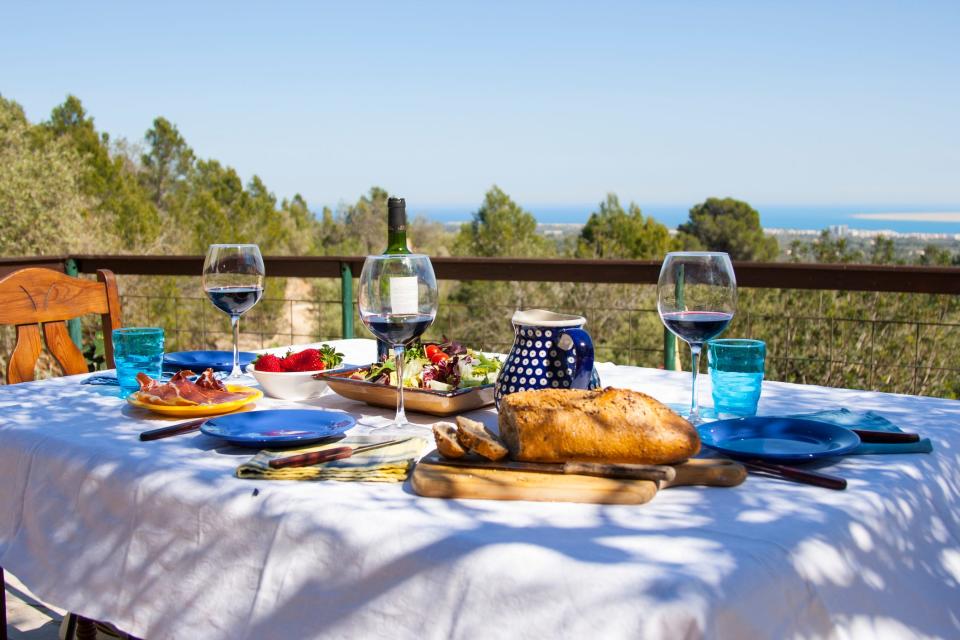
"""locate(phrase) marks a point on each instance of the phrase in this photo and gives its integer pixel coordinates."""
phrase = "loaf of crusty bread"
(608, 425)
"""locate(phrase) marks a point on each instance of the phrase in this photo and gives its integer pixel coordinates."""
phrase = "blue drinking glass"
(137, 350)
(736, 374)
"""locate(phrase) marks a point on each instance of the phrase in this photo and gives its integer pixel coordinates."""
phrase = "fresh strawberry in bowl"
(290, 376)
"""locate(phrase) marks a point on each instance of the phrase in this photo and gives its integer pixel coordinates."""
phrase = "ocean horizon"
(899, 218)
(939, 219)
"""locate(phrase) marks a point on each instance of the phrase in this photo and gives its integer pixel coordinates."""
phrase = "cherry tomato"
(435, 354)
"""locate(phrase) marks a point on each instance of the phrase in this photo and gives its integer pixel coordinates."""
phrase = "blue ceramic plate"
(284, 427)
(197, 361)
(771, 438)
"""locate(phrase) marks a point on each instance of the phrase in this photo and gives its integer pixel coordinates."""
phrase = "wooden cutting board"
(434, 479)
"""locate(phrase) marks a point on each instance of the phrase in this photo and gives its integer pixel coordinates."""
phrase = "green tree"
(732, 226)
(110, 180)
(937, 256)
(883, 251)
(42, 205)
(168, 161)
(830, 249)
(613, 232)
(500, 227)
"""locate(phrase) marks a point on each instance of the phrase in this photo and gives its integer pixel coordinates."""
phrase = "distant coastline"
(934, 220)
(911, 217)
(943, 219)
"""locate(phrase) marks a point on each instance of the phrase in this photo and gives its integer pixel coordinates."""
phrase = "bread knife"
(652, 472)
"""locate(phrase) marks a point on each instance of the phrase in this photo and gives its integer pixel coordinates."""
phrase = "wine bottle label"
(404, 295)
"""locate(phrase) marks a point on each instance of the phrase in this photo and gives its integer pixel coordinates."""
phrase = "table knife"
(328, 455)
(174, 430)
(886, 437)
(803, 476)
(653, 472)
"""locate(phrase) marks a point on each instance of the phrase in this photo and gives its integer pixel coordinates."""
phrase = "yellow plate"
(201, 410)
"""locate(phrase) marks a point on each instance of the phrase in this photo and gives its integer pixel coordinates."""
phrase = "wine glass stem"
(235, 324)
(401, 418)
(694, 405)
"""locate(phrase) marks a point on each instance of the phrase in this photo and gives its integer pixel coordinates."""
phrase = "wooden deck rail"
(776, 275)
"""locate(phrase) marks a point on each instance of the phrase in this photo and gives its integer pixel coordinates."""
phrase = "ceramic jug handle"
(582, 346)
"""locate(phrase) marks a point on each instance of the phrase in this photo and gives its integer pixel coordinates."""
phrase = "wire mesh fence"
(819, 337)
(894, 342)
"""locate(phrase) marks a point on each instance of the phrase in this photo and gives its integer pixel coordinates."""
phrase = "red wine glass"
(696, 298)
(233, 280)
(398, 301)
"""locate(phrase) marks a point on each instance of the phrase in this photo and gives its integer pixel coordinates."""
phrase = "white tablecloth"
(161, 539)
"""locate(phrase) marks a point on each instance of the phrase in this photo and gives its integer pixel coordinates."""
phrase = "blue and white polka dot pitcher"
(550, 350)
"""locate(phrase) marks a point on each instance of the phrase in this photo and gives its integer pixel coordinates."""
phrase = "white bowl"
(290, 385)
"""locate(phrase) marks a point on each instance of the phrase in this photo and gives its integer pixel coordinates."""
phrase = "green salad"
(443, 366)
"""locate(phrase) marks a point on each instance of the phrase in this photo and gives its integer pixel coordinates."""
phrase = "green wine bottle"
(397, 226)
(396, 243)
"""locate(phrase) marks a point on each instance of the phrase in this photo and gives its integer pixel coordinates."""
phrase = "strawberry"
(312, 363)
(267, 362)
(298, 361)
(290, 361)
(310, 359)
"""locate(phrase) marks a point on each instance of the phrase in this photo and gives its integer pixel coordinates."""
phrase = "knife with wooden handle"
(329, 455)
(887, 437)
(652, 472)
(714, 472)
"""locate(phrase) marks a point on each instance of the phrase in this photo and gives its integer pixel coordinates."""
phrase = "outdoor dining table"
(161, 539)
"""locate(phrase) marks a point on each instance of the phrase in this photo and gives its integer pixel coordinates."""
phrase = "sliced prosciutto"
(182, 391)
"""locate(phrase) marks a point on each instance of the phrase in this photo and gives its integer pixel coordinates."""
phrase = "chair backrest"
(32, 298)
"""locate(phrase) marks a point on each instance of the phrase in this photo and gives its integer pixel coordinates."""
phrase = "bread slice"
(445, 433)
(477, 438)
(608, 425)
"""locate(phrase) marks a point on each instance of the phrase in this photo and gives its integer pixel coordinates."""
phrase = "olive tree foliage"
(615, 232)
(168, 162)
(500, 227)
(733, 226)
(43, 210)
(118, 206)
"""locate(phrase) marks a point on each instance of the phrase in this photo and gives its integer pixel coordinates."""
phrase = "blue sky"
(660, 102)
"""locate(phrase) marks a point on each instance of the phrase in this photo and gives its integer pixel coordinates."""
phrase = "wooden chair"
(33, 298)
(42, 300)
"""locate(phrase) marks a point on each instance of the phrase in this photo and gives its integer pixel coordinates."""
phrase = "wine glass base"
(407, 426)
(706, 414)
(244, 379)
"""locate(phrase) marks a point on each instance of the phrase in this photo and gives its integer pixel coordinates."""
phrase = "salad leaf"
(381, 370)
(414, 351)
(452, 347)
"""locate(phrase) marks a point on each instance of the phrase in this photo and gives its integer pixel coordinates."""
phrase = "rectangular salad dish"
(436, 403)
(440, 379)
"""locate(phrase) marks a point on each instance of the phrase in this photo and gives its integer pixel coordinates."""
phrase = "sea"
(927, 219)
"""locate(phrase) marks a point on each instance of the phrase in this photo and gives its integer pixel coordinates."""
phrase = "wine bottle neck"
(397, 226)
(397, 241)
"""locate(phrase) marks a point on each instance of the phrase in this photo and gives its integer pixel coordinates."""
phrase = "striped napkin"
(388, 464)
(874, 422)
